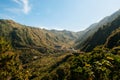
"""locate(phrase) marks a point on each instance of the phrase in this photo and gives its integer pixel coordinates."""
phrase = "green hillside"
(26, 37)
(114, 39)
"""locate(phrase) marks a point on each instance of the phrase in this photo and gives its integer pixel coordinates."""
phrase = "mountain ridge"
(110, 23)
(22, 36)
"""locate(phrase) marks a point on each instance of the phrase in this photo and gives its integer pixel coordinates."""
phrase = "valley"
(30, 53)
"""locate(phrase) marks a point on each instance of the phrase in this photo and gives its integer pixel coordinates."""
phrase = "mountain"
(97, 33)
(22, 51)
(22, 36)
(99, 64)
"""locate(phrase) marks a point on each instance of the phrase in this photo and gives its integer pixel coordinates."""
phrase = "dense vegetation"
(100, 64)
(114, 39)
(10, 65)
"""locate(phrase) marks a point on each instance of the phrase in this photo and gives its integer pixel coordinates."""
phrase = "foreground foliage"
(100, 64)
(97, 65)
(10, 65)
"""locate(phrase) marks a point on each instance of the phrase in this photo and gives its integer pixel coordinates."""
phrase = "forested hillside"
(114, 39)
(38, 40)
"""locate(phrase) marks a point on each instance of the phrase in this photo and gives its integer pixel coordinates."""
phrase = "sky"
(73, 15)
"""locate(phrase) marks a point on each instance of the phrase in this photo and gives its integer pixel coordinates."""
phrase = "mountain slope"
(25, 36)
(113, 40)
(98, 34)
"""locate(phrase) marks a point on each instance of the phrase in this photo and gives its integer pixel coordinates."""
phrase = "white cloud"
(24, 4)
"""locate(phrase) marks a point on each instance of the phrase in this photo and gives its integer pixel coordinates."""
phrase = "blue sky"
(73, 15)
